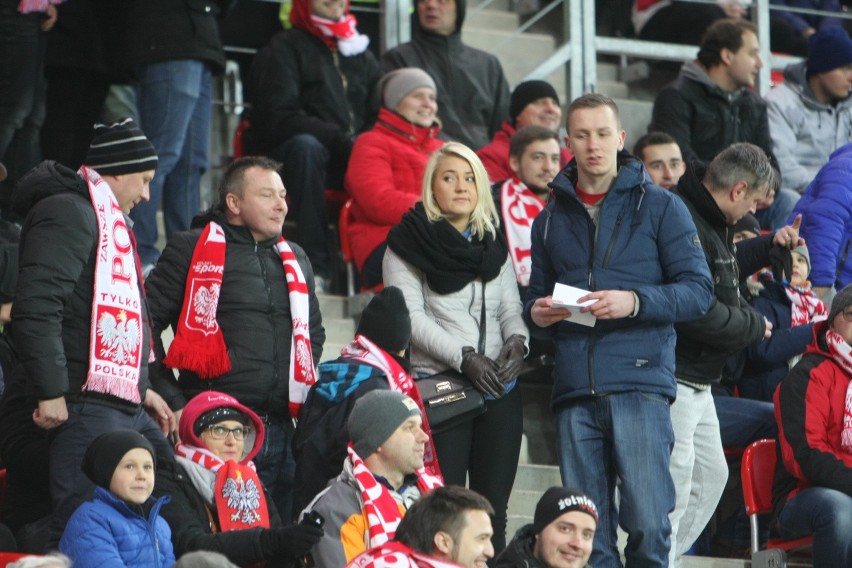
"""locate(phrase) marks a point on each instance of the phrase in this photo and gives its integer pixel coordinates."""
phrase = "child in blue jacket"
(121, 526)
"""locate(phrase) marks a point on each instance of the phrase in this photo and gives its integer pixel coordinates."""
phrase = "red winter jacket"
(495, 155)
(809, 407)
(385, 177)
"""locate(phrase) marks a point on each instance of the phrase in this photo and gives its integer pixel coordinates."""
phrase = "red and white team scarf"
(397, 555)
(520, 205)
(29, 6)
(363, 350)
(115, 343)
(804, 306)
(841, 353)
(199, 345)
(349, 41)
(383, 515)
(240, 501)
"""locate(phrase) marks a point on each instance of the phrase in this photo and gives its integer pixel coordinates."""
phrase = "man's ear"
(622, 136)
(443, 543)
(232, 202)
(726, 55)
(738, 190)
(514, 163)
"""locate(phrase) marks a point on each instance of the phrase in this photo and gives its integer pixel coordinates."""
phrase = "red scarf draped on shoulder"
(199, 345)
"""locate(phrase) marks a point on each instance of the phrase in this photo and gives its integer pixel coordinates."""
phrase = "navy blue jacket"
(645, 242)
(766, 362)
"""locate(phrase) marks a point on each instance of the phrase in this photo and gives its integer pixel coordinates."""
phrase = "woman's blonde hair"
(483, 218)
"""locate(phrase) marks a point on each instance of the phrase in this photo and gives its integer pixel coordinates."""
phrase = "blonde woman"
(453, 268)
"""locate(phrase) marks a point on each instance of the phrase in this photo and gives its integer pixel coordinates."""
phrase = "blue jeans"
(69, 486)
(775, 216)
(307, 172)
(276, 466)
(827, 515)
(743, 421)
(22, 90)
(626, 436)
(175, 106)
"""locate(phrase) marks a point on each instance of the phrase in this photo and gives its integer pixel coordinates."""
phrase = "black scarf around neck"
(448, 260)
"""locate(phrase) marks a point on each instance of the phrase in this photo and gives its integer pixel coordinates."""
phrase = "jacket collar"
(631, 174)
(692, 190)
(399, 126)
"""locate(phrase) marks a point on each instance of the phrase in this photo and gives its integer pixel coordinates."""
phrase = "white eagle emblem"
(303, 355)
(119, 337)
(244, 497)
(204, 304)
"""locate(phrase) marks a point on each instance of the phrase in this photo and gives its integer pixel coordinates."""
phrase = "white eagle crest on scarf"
(204, 304)
(119, 336)
(244, 497)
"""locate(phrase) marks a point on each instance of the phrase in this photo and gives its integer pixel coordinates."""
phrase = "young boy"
(121, 526)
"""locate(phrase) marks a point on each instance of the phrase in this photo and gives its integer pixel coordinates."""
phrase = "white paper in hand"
(565, 296)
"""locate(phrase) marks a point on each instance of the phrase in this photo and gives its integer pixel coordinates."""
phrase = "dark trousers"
(486, 450)
(22, 90)
(276, 466)
(308, 170)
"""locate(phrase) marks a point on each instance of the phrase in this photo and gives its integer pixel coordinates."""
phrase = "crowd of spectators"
(710, 272)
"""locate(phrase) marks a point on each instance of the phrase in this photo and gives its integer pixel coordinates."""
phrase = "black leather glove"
(511, 358)
(781, 262)
(482, 372)
(296, 540)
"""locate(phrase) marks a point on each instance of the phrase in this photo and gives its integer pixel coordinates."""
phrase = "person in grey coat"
(452, 265)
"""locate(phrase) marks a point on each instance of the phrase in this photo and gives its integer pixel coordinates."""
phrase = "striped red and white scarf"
(199, 345)
(383, 514)
(116, 336)
(841, 353)
(29, 6)
(805, 307)
(519, 205)
(238, 493)
(397, 555)
(363, 350)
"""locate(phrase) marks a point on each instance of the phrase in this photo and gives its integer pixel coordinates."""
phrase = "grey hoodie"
(804, 131)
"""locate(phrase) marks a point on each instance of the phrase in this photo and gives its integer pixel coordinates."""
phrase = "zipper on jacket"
(336, 59)
(591, 357)
(272, 321)
(612, 240)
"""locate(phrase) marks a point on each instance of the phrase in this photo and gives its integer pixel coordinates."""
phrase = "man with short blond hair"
(632, 250)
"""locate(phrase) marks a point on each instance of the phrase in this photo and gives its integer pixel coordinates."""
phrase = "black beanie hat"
(120, 148)
(218, 415)
(527, 92)
(385, 321)
(557, 501)
(105, 453)
(828, 49)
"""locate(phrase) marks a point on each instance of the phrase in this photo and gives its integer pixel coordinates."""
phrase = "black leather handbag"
(449, 397)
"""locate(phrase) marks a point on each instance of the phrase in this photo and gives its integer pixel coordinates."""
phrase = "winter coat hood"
(45, 180)
(210, 400)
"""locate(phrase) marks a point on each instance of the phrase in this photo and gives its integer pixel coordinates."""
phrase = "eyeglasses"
(218, 432)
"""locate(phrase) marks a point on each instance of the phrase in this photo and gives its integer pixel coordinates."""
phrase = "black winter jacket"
(165, 30)
(730, 324)
(253, 314)
(53, 297)
(298, 85)
(705, 119)
(187, 515)
(519, 552)
(473, 95)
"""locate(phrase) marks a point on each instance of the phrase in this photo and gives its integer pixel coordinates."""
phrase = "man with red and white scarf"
(310, 90)
(240, 299)
(383, 476)
(81, 319)
(812, 492)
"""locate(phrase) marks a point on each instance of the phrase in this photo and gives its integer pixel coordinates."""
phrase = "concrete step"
(635, 118)
(495, 20)
(339, 327)
(534, 47)
(505, 5)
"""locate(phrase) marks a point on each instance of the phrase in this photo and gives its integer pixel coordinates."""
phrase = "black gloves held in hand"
(482, 372)
(511, 358)
(296, 540)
